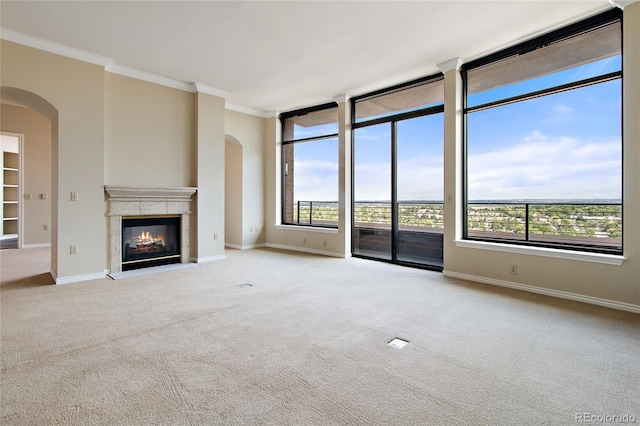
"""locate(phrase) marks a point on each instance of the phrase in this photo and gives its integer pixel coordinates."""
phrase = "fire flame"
(146, 238)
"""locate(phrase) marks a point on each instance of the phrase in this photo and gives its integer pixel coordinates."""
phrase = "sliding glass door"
(398, 144)
(419, 181)
(372, 192)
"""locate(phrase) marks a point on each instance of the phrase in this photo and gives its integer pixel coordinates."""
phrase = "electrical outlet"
(215, 236)
(27, 196)
(73, 250)
(324, 243)
(513, 269)
(251, 229)
(304, 241)
(45, 227)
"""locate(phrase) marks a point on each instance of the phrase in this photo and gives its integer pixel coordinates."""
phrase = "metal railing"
(572, 223)
(586, 223)
(422, 214)
(319, 213)
(417, 214)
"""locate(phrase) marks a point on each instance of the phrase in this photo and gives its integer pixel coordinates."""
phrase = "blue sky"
(562, 146)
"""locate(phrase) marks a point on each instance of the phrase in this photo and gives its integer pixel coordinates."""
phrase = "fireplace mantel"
(132, 201)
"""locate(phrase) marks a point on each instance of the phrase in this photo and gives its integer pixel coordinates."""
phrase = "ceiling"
(268, 56)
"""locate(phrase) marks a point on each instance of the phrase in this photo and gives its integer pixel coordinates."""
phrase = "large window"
(398, 173)
(310, 166)
(543, 162)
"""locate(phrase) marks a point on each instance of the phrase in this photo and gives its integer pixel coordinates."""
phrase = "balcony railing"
(318, 213)
(586, 224)
(596, 224)
(418, 214)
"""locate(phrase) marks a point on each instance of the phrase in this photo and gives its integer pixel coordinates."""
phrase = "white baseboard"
(622, 306)
(210, 258)
(245, 246)
(307, 250)
(78, 278)
(37, 245)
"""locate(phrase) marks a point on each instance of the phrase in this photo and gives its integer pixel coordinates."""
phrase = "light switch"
(74, 196)
(43, 196)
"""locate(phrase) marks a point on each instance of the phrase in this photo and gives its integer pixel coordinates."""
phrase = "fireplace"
(150, 241)
(143, 209)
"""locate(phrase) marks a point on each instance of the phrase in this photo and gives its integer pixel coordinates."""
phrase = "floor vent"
(245, 285)
(398, 343)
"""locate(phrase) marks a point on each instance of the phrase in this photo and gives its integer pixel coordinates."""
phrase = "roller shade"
(400, 100)
(311, 124)
(600, 43)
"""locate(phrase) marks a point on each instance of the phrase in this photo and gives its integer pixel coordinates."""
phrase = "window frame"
(391, 119)
(285, 142)
(607, 18)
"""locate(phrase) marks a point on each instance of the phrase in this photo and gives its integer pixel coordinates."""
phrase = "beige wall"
(210, 177)
(111, 129)
(36, 172)
(233, 193)
(76, 90)
(249, 131)
(149, 134)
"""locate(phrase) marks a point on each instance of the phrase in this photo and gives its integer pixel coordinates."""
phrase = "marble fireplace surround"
(131, 201)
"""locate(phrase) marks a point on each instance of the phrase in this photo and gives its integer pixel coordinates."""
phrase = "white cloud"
(540, 166)
(563, 109)
(547, 167)
(315, 180)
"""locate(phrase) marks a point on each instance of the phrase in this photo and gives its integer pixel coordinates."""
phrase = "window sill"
(608, 259)
(308, 229)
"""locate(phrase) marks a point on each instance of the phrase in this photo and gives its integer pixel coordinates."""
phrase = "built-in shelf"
(10, 192)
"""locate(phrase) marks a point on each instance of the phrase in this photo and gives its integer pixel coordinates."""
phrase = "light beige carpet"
(307, 344)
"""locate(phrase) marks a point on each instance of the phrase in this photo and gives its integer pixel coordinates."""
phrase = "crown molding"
(148, 77)
(450, 65)
(202, 88)
(51, 47)
(272, 114)
(622, 3)
(342, 98)
(246, 110)
(107, 63)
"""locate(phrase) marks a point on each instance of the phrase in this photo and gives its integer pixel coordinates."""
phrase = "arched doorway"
(24, 98)
(233, 192)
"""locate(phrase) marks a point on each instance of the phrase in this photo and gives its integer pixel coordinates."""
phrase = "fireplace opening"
(150, 241)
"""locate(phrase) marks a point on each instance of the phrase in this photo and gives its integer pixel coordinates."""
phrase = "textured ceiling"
(275, 56)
